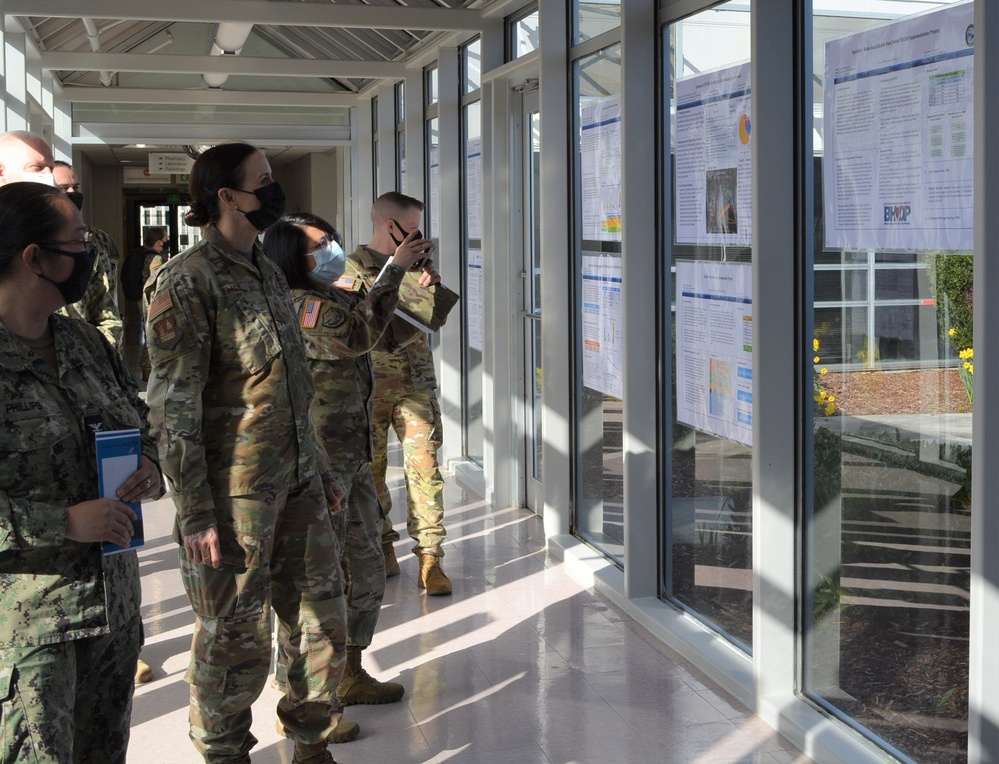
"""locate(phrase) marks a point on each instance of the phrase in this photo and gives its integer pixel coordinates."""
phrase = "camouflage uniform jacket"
(53, 589)
(403, 351)
(339, 328)
(99, 307)
(230, 388)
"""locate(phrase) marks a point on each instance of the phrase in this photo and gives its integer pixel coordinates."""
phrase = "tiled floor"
(520, 666)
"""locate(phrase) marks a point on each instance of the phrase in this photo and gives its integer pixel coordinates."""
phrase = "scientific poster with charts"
(714, 164)
(473, 298)
(473, 186)
(434, 224)
(898, 164)
(600, 168)
(714, 348)
(603, 352)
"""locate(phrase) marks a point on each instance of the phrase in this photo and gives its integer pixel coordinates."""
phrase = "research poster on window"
(600, 168)
(473, 298)
(899, 134)
(714, 348)
(603, 337)
(713, 160)
(473, 186)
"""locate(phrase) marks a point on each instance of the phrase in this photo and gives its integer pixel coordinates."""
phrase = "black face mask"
(77, 198)
(75, 285)
(271, 209)
(418, 235)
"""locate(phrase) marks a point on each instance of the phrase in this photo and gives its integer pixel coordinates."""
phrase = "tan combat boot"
(432, 578)
(358, 687)
(391, 563)
(143, 672)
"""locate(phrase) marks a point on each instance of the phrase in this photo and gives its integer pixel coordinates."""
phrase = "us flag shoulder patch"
(310, 316)
(344, 282)
(162, 303)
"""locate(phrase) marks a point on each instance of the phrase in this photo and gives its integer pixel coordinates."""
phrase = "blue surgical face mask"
(330, 263)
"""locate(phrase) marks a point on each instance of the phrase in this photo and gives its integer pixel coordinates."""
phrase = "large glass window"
(599, 505)
(888, 527)
(709, 566)
(472, 286)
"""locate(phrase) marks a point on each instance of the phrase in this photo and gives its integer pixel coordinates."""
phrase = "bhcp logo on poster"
(898, 213)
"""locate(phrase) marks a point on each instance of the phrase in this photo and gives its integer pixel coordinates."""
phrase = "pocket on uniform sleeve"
(256, 344)
(206, 676)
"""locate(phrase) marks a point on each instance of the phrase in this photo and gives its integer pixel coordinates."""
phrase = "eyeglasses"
(48, 247)
(323, 243)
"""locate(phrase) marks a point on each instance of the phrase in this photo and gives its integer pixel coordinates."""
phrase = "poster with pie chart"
(713, 159)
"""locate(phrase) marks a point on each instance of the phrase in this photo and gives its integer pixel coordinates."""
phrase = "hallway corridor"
(520, 666)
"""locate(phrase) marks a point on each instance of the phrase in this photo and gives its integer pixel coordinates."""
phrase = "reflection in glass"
(600, 489)
(888, 526)
(471, 66)
(524, 35)
(595, 18)
(710, 524)
(431, 85)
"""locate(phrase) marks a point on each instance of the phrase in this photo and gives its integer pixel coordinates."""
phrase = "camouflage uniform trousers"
(415, 416)
(278, 551)
(359, 527)
(69, 701)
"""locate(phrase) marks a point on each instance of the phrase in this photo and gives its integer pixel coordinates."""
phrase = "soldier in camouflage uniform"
(99, 306)
(25, 156)
(229, 393)
(70, 628)
(405, 398)
(339, 329)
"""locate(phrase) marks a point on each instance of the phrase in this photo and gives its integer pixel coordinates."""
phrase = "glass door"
(530, 160)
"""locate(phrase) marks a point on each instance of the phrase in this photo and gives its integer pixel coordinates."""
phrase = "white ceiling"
(134, 69)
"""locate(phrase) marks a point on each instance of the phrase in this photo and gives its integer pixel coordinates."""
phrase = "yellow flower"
(823, 371)
(815, 344)
(951, 332)
(967, 365)
(832, 398)
(971, 368)
(816, 359)
(830, 410)
(823, 395)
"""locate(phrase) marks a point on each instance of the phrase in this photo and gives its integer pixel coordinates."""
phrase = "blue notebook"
(118, 454)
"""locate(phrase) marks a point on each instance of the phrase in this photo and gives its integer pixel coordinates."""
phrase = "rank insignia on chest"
(310, 315)
(167, 335)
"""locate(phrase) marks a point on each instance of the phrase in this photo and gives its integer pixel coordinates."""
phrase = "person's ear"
(31, 256)
(225, 196)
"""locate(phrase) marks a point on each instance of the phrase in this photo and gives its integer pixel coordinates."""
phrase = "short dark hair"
(153, 234)
(286, 244)
(28, 215)
(60, 163)
(218, 167)
(391, 204)
(309, 219)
